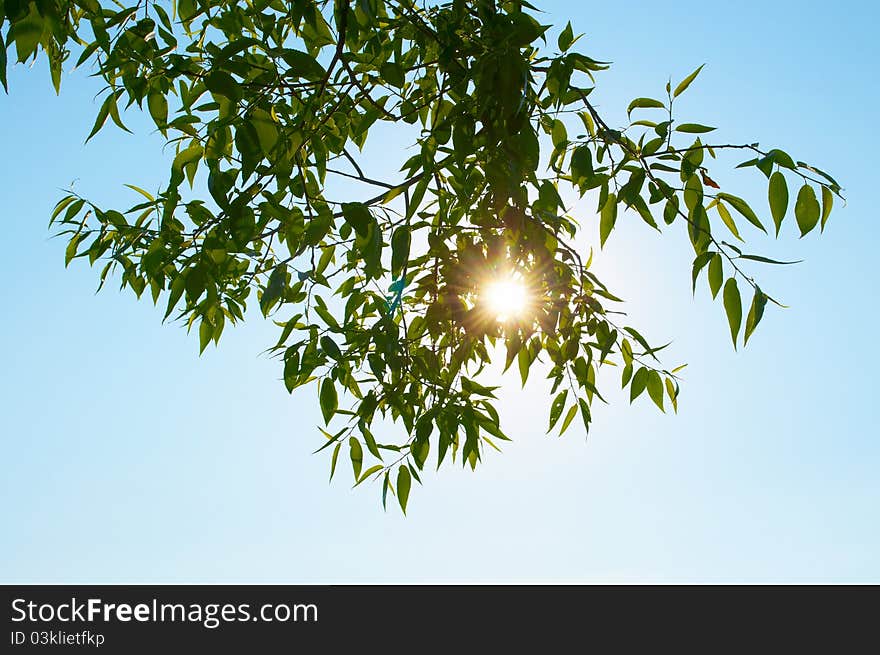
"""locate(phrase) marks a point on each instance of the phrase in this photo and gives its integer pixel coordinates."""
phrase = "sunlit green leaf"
(806, 209)
(743, 208)
(733, 308)
(608, 217)
(686, 82)
(328, 399)
(404, 482)
(778, 194)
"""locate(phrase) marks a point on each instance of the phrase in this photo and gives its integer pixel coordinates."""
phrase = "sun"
(506, 298)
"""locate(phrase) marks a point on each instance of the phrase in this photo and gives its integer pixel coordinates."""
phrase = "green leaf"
(206, 331)
(177, 288)
(400, 245)
(716, 274)
(330, 348)
(778, 195)
(26, 31)
(767, 260)
(103, 113)
(700, 262)
(585, 413)
(114, 111)
(358, 216)
(222, 83)
(733, 307)
(404, 482)
(370, 471)
(743, 208)
(566, 38)
(638, 384)
(827, 204)
(727, 219)
(356, 454)
(370, 440)
(524, 363)
(686, 82)
(806, 209)
(644, 103)
(3, 65)
(672, 393)
(693, 128)
(182, 161)
(782, 158)
(607, 218)
(266, 130)
(60, 206)
(158, 107)
(303, 65)
(581, 163)
(654, 384)
(334, 458)
(393, 74)
(145, 194)
(328, 399)
(756, 311)
(572, 412)
(557, 407)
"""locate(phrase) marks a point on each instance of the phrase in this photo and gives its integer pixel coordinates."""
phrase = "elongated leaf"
(767, 260)
(358, 216)
(356, 454)
(686, 82)
(566, 37)
(206, 331)
(727, 219)
(404, 482)
(777, 192)
(182, 161)
(557, 407)
(716, 274)
(827, 204)
(743, 208)
(328, 400)
(733, 307)
(523, 361)
(302, 65)
(103, 113)
(806, 209)
(334, 459)
(569, 417)
(145, 194)
(700, 262)
(370, 471)
(222, 83)
(756, 311)
(607, 218)
(693, 128)
(654, 384)
(400, 245)
(672, 393)
(644, 103)
(638, 384)
(3, 66)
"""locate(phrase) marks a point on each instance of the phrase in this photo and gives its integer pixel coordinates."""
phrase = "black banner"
(144, 618)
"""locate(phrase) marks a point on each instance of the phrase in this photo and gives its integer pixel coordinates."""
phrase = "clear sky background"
(128, 458)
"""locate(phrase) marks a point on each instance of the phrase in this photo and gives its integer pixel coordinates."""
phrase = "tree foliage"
(378, 295)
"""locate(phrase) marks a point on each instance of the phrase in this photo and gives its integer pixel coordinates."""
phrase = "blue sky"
(128, 458)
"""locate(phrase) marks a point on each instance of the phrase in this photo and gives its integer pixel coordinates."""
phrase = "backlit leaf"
(733, 308)
(806, 209)
(778, 195)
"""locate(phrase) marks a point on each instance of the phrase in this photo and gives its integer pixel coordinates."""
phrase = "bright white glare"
(506, 298)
